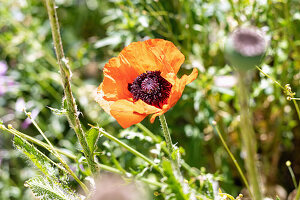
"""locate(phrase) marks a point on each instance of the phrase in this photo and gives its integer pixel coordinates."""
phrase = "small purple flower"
(6, 82)
(3, 68)
(20, 106)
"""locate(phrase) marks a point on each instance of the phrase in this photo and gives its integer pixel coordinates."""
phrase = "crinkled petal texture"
(137, 58)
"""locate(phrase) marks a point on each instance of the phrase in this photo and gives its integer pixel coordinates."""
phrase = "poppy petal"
(116, 79)
(153, 55)
(135, 59)
(176, 92)
(128, 113)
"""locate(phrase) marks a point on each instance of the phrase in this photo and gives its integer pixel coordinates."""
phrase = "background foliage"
(94, 31)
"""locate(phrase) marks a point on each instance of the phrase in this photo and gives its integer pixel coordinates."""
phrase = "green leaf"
(41, 161)
(174, 186)
(92, 137)
(46, 189)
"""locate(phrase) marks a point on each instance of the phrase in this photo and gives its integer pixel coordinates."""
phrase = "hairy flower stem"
(157, 139)
(174, 157)
(65, 74)
(248, 137)
(71, 156)
(57, 155)
(172, 154)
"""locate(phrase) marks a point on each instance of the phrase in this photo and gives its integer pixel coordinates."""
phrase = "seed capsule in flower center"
(151, 88)
(150, 85)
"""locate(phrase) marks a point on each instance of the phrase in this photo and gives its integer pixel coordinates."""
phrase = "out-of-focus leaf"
(112, 40)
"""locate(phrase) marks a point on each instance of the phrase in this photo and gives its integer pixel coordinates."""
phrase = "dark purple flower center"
(151, 88)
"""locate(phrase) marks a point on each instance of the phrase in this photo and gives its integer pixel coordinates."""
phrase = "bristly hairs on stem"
(15, 132)
(56, 154)
(174, 157)
(65, 73)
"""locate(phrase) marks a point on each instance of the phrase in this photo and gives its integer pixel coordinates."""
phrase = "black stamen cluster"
(151, 88)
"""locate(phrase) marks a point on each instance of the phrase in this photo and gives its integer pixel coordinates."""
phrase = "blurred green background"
(93, 31)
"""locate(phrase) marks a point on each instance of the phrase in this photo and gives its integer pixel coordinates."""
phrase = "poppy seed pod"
(245, 48)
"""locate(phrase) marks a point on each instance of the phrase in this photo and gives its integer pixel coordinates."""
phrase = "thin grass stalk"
(284, 89)
(233, 159)
(248, 137)
(298, 193)
(288, 164)
(65, 73)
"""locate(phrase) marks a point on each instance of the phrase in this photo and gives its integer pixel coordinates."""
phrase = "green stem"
(248, 137)
(288, 164)
(71, 156)
(156, 139)
(284, 89)
(130, 149)
(149, 133)
(298, 193)
(57, 155)
(174, 157)
(65, 73)
(233, 159)
(296, 107)
(168, 139)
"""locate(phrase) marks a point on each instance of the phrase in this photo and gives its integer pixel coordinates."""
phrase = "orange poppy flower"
(142, 81)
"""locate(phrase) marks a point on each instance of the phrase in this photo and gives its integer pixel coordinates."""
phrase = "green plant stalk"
(293, 176)
(248, 137)
(298, 193)
(65, 73)
(57, 155)
(233, 159)
(284, 89)
(130, 149)
(173, 155)
(149, 133)
(168, 140)
(156, 139)
(69, 155)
